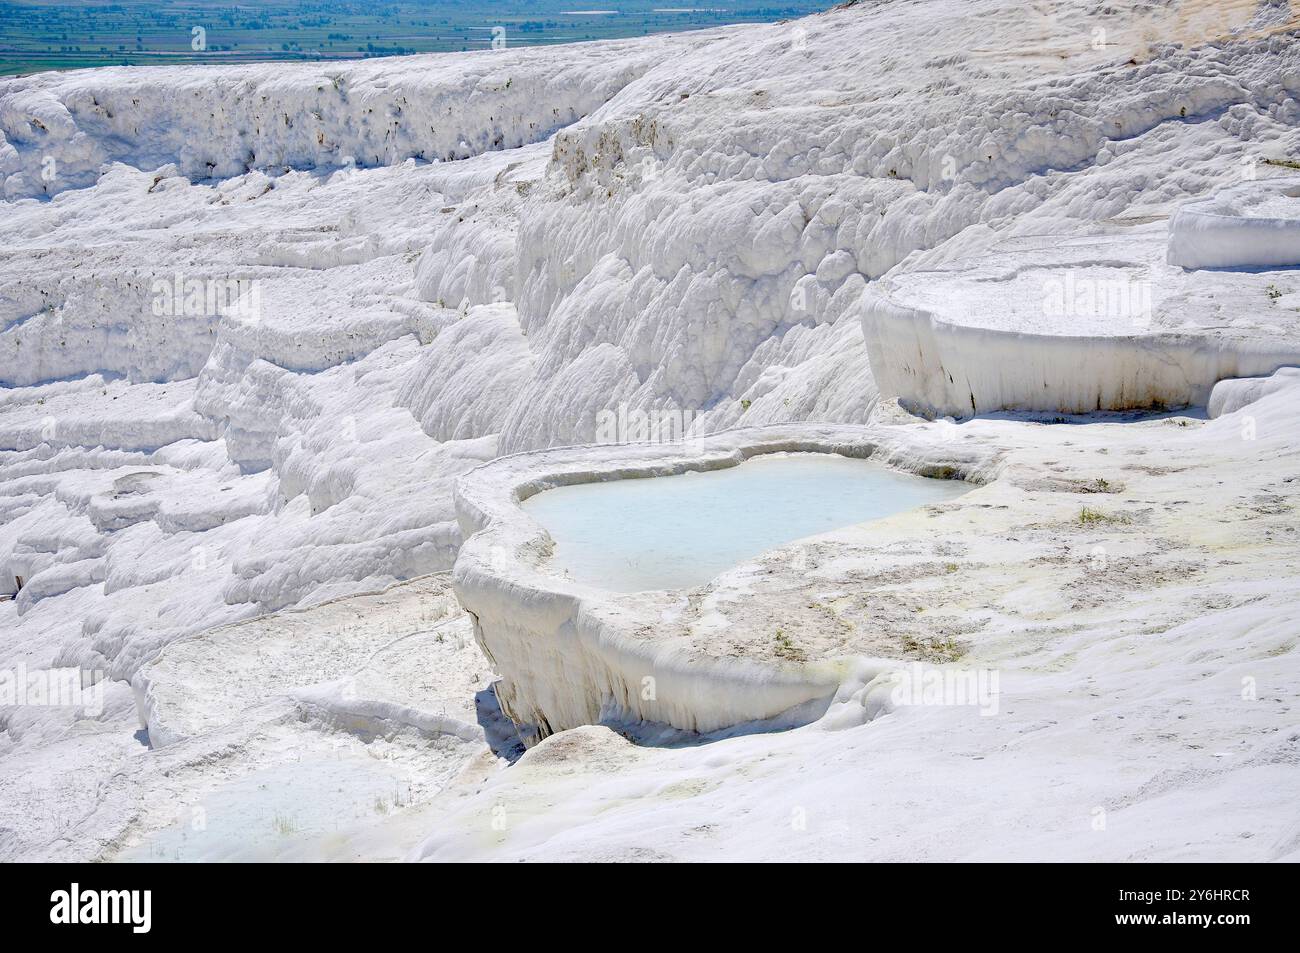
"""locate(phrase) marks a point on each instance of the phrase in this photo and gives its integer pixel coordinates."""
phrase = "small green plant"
(1283, 163)
(786, 649)
(1273, 292)
(1090, 517)
(938, 648)
(745, 403)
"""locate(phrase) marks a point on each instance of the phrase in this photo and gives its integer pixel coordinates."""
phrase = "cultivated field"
(36, 35)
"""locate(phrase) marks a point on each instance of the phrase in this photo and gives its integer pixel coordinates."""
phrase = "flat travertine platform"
(1072, 323)
(1070, 527)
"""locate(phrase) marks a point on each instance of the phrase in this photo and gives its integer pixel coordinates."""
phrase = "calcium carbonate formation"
(260, 326)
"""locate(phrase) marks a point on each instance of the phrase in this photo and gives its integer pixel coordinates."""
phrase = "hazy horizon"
(38, 36)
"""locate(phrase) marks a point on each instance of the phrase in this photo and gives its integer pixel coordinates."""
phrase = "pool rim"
(598, 641)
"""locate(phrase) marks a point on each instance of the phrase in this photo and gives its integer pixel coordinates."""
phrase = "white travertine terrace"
(466, 256)
(1070, 323)
(1252, 225)
(571, 654)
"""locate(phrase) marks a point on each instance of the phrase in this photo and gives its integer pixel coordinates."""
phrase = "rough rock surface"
(256, 322)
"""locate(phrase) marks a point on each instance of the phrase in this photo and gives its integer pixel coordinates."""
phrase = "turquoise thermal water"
(680, 531)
